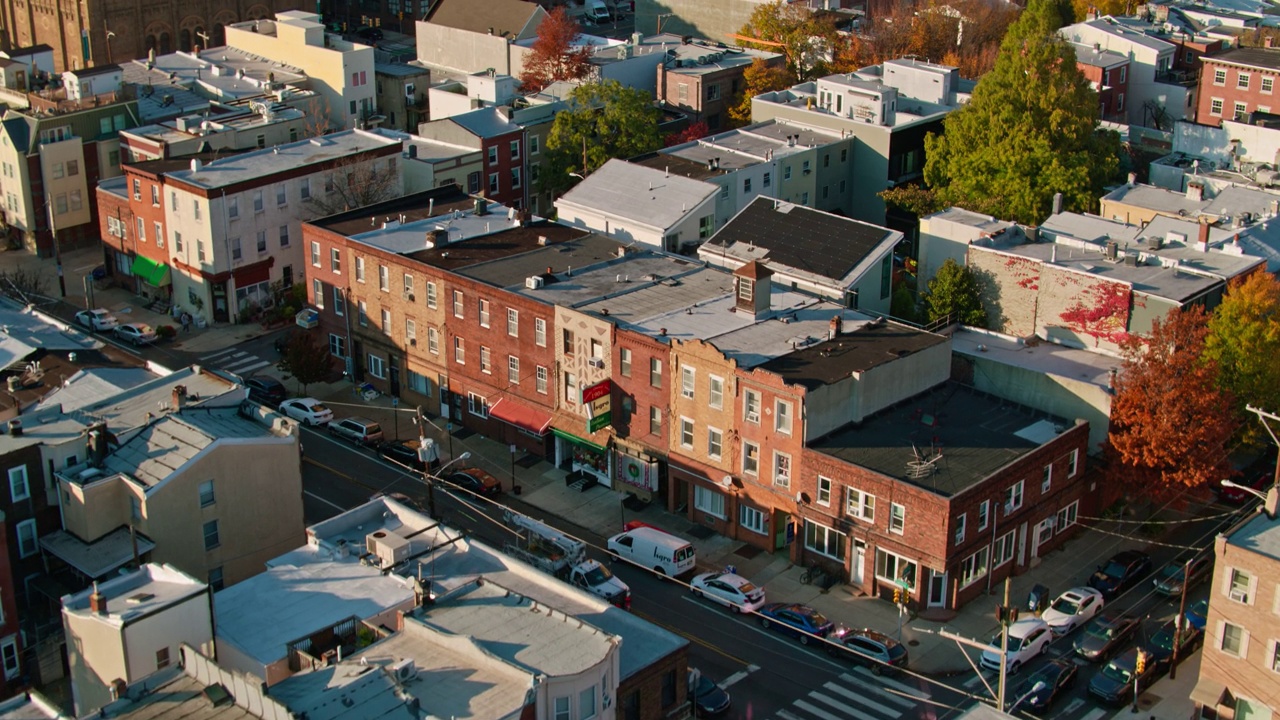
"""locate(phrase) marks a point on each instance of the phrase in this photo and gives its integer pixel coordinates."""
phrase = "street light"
(1040, 685)
(1268, 498)
(574, 174)
(431, 482)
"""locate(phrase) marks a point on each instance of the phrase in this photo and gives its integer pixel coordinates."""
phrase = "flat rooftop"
(638, 194)
(1260, 535)
(975, 433)
(863, 344)
(142, 592)
(1052, 359)
(566, 249)
(252, 166)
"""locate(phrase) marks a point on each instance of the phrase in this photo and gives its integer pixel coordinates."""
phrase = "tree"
(956, 293)
(758, 78)
(553, 56)
(1029, 131)
(306, 360)
(1168, 432)
(806, 39)
(604, 120)
(316, 118)
(354, 182)
(1244, 342)
(689, 134)
(1104, 7)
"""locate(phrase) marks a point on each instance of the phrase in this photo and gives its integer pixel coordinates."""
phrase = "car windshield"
(599, 575)
(1066, 606)
(1014, 643)
(1117, 672)
(1101, 629)
(1114, 570)
(705, 686)
(1171, 572)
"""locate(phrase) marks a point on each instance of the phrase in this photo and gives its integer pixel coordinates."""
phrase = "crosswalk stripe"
(860, 699)
(815, 710)
(788, 716)
(220, 353)
(896, 700)
(238, 359)
(1095, 714)
(871, 677)
(249, 368)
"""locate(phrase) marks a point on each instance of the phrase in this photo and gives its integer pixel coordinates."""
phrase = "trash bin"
(1038, 599)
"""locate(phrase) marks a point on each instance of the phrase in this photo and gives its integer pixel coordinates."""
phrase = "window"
(315, 254)
(515, 178)
(655, 420)
(177, 241)
(1067, 516)
(478, 405)
(824, 491)
(860, 505)
(1240, 586)
(1235, 640)
(377, 367)
(750, 458)
(541, 382)
(142, 231)
(19, 488)
(1242, 81)
(782, 417)
(362, 314)
(894, 568)
(431, 295)
(1215, 106)
(897, 518)
(27, 543)
(1013, 498)
(9, 656)
(317, 293)
(767, 180)
(562, 709)
(962, 522)
(781, 469)
(211, 540)
(540, 332)
(655, 372)
(284, 236)
(746, 185)
(586, 698)
(751, 519)
(384, 278)
(1046, 480)
(984, 514)
(513, 322)
(262, 242)
(493, 183)
(1273, 662)
(1267, 83)
(337, 345)
(304, 188)
(974, 567)
(687, 382)
(566, 342)
(513, 370)
(823, 540)
(1220, 76)
(686, 432)
(407, 285)
(1241, 109)
(484, 313)
(1002, 549)
(717, 392)
(433, 341)
(458, 304)
(206, 493)
(493, 155)
(60, 203)
(715, 443)
(708, 501)
(486, 361)
(571, 392)
(668, 689)
(335, 260)
(386, 322)
(257, 201)
(339, 302)
(786, 172)
(1073, 463)
(459, 350)
(137, 189)
(624, 361)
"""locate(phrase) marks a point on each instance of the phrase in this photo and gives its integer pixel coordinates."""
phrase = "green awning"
(151, 271)
(575, 439)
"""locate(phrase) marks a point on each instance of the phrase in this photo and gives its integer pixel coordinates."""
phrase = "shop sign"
(597, 398)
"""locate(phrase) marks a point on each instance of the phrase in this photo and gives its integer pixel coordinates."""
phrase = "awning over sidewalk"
(94, 560)
(150, 271)
(522, 416)
(575, 439)
(1209, 692)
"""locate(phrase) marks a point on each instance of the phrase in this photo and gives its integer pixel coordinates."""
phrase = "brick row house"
(1236, 83)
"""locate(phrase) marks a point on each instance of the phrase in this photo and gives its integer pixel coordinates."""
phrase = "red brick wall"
(1230, 93)
(646, 686)
(150, 214)
(637, 388)
(506, 194)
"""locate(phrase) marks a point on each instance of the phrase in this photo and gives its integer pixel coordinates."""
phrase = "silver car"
(136, 333)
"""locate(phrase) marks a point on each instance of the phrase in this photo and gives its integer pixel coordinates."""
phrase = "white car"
(728, 589)
(1027, 639)
(1072, 609)
(98, 319)
(136, 333)
(308, 411)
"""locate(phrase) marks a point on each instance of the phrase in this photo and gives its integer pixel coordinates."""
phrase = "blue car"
(796, 620)
(1198, 614)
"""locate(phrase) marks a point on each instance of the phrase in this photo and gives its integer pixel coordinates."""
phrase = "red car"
(476, 481)
(1259, 482)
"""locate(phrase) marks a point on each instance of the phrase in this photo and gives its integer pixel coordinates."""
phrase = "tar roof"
(1169, 282)
(563, 253)
(142, 592)
(487, 122)
(291, 157)
(497, 17)
(1051, 359)
(639, 194)
(1260, 535)
(437, 202)
(23, 332)
(862, 346)
(974, 433)
(1250, 56)
(798, 237)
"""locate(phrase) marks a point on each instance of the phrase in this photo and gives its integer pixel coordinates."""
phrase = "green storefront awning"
(151, 271)
(575, 439)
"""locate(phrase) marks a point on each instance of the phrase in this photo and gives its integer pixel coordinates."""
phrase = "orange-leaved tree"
(1170, 423)
(553, 56)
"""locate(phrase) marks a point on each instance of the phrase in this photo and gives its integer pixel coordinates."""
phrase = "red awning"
(522, 416)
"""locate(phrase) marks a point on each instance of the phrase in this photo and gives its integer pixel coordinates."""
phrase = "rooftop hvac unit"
(534, 282)
(388, 546)
(405, 670)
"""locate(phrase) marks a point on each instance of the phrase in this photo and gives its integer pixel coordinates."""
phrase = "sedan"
(99, 319)
(795, 620)
(136, 333)
(709, 696)
(476, 481)
(1238, 495)
(308, 411)
(404, 452)
(1053, 679)
(1114, 684)
(1198, 614)
(1105, 635)
(1120, 573)
(728, 589)
(880, 652)
(1160, 646)
(1072, 609)
(1169, 581)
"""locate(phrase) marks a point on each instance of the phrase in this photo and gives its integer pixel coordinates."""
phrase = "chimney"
(1092, 14)
(118, 690)
(836, 326)
(1267, 41)
(179, 397)
(1133, 179)
(15, 428)
(97, 601)
(1202, 242)
(1195, 191)
(1057, 203)
(1269, 505)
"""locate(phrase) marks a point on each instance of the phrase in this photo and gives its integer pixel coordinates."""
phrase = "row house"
(263, 124)
(1108, 74)
(499, 140)
(704, 80)
(1237, 83)
(1158, 95)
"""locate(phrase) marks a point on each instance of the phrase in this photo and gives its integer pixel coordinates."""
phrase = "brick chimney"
(97, 601)
(1202, 241)
(179, 397)
(837, 324)
(753, 289)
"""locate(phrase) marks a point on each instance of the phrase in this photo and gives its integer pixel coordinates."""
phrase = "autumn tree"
(760, 77)
(552, 56)
(1104, 7)
(1168, 432)
(695, 131)
(964, 34)
(306, 360)
(1244, 343)
(807, 40)
(1029, 131)
(604, 120)
(955, 293)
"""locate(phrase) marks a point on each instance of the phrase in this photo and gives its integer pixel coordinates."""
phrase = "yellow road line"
(698, 640)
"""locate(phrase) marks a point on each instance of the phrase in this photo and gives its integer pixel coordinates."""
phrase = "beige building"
(130, 627)
(182, 483)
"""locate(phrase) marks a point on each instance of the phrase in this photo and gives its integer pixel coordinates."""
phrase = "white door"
(1022, 544)
(937, 589)
(859, 562)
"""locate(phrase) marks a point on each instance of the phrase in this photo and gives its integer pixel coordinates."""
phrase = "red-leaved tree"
(695, 131)
(1170, 424)
(552, 56)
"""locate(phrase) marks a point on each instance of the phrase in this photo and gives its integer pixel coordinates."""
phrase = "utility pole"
(1180, 619)
(1007, 618)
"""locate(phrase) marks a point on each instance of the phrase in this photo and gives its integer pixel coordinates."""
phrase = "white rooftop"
(23, 331)
(639, 194)
(284, 158)
(142, 592)
(94, 385)
(390, 235)
(1051, 359)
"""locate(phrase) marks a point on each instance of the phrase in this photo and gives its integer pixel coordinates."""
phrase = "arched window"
(185, 45)
(166, 44)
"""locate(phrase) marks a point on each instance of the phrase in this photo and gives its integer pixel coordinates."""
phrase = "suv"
(361, 431)
(1027, 639)
(868, 647)
(266, 390)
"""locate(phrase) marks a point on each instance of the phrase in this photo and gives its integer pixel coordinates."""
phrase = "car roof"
(1025, 626)
(1079, 593)
(874, 635)
(1129, 555)
(361, 420)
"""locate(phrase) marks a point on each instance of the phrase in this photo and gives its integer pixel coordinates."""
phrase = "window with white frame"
(513, 370)
(1242, 80)
(624, 362)
(386, 322)
(362, 313)
(897, 518)
(431, 294)
(19, 488)
(962, 521)
(893, 568)
(376, 367)
(752, 519)
(1073, 463)
(782, 417)
(459, 304)
(542, 380)
(1067, 516)
(587, 697)
(655, 420)
(1013, 497)
(974, 567)
(28, 544)
(1273, 659)
(1046, 479)
(1241, 109)
(317, 293)
(486, 364)
(716, 399)
(687, 382)
(359, 269)
(824, 540)
(1220, 76)
(1002, 549)
(384, 278)
(337, 345)
(540, 332)
(860, 505)
(335, 260)
(207, 496)
(562, 709)
(1235, 639)
(478, 405)
(407, 291)
(9, 657)
(484, 313)
(824, 491)
(984, 514)
(571, 394)
(1240, 586)
(715, 443)
(513, 322)
(411, 331)
(751, 407)
(686, 432)
(433, 341)
(708, 501)
(1215, 106)
(781, 469)
(655, 372)
(315, 254)
(459, 350)
(750, 458)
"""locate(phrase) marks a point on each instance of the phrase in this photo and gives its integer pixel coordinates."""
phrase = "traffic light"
(1006, 615)
(897, 596)
(1142, 662)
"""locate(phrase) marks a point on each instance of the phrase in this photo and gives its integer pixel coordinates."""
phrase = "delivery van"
(649, 547)
(598, 12)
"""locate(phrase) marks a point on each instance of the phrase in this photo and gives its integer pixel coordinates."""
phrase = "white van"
(598, 12)
(652, 548)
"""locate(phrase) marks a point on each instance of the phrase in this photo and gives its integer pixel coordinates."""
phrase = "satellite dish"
(726, 482)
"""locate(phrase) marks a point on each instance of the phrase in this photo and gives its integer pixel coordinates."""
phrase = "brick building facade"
(1236, 83)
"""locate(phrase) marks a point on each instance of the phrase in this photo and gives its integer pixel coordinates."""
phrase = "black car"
(1106, 634)
(266, 390)
(404, 452)
(477, 481)
(1120, 573)
(370, 34)
(1160, 646)
(1169, 581)
(1054, 677)
(1114, 684)
(710, 697)
(874, 649)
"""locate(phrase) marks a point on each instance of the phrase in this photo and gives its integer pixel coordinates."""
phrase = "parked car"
(477, 481)
(1169, 581)
(1054, 679)
(795, 620)
(1105, 635)
(359, 430)
(1120, 573)
(709, 696)
(99, 320)
(1160, 646)
(1256, 481)
(1198, 614)
(404, 452)
(728, 589)
(266, 390)
(1114, 684)
(1072, 609)
(308, 411)
(879, 652)
(370, 34)
(1027, 639)
(136, 333)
